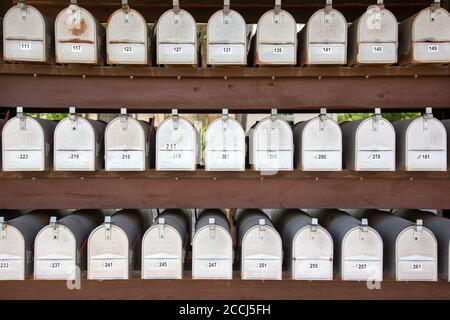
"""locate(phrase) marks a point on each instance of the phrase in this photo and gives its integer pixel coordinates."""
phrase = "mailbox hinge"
(23, 8)
(322, 118)
(212, 228)
(73, 118)
(262, 227)
(364, 225)
(226, 11)
(54, 226)
(3, 235)
(124, 118)
(427, 116)
(161, 227)
(277, 11)
(176, 11)
(126, 11)
(376, 119)
(107, 225)
(22, 117)
(175, 119)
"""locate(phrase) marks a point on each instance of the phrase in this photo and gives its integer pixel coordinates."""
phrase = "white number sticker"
(108, 265)
(55, 265)
(277, 50)
(212, 265)
(433, 48)
(376, 156)
(25, 46)
(23, 156)
(416, 267)
(127, 49)
(227, 50)
(424, 156)
(327, 50)
(262, 265)
(177, 49)
(77, 48)
(377, 49)
(4, 265)
(162, 264)
(361, 266)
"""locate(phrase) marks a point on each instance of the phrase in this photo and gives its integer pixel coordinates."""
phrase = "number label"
(126, 156)
(322, 157)
(23, 156)
(77, 48)
(272, 155)
(377, 49)
(433, 48)
(327, 50)
(127, 49)
(176, 156)
(424, 156)
(361, 266)
(225, 156)
(212, 265)
(4, 265)
(262, 265)
(25, 46)
(162, 264)
(417, 267)
(171, 146)
(177, 49)
(55, 265)
(74, 156)
(376, 156)
(108, 265)
(313, 265)
(227, 50)
(277, 50)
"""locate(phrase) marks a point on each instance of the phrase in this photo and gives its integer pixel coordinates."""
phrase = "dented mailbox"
(79, 37)
(276, 38)
(410, 250)
(176, 38)
(323, 40)
(177, 144)
(60, 248)
(373, 38)
(127, 37)
(27, 36)
(226, 38)
(27, 143)
(369, 144)
(225, 145)
(425, 37)
(421, 144)
(261, 252)
(270, 144)
(78, 144)
(128, 143)
(212, 246)
(114, 247)
(358, 248)
(164, 246)
(307, 247)
(318, 144)
(440, 227)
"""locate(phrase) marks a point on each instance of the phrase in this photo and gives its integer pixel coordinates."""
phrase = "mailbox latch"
(376, 119)
(322, 118)
(124, 118)
(328, 8)
(427, 116)
(364, 225)
(54, 227)
(126, 11)
(161, 227)
(433, 7)
(22, 117)
(212, 228)
(314, 224)
(175, 119)
(73, 118)
(377, 15)
(107, 225)
(75, 17)
(226, 11)
(2, 228)
(176, 11)
(23, 8)
(419, 225)
(262, 228)
(277, 11)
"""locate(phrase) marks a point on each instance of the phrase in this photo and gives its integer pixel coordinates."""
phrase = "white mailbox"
(318, 144)
(176, 38)
(27, 143)
(128, 38)
(2, 122)
(358, 248)
(79, 37)
(421, 144)
(276, 38)
(308, 247)
(78, 144)
(369, 144)
(60, 247)
(226, 38)
(225, 145)
(164, 246)
(373, 38)
(212, 246)
(270, 145)
(260, 246)
(323, 41)
(16, 244)
(127, 144)
(410, 249)
(440, 227)
(425, 37)
(177, 145)
(446, 124)
(114, 247)
(27, 36)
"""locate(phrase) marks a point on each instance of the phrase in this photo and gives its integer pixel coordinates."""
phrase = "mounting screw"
(226, 78)
(319, 77)
(178, 77)
(35, 75)
(411, 179)
(273, 78)
(84, 77)
(131, 77)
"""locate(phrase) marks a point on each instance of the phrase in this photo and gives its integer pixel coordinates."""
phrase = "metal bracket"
(419, 225)
(73, 118)
(54, 225)
(126, 11)
(226, 11)
(2, 228)
(22, 118)
(124, 118)
(161, 227)
(23, 8)
(175, 119)
(322, 118)
(176, 11)
(364, 225)
(427, 116)
(314, 224)
(212, 228)
(107, 225)
(376, 119)
(277, 11)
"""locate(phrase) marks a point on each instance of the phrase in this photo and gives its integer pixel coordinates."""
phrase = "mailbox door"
(127, 38)
(225, 146)
(24, 149)
(426, 146)
(312, 255)
(176, 42)
(362, 255)
(321, 146)
(55, 258)
(76, 34)
(262, 254)
(326, 40)
(25, 39)
(272, 145)
(177, 147)
(375, 146)
(416, 255)
(12, 254)
(108, 255)
(125, 146)
(226, 39)
(212, 254)
(75, 146)
(162, 253)
(276, 43)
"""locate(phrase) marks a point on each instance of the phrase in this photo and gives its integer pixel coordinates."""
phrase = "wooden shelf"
(155, 89)
(201, 189)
